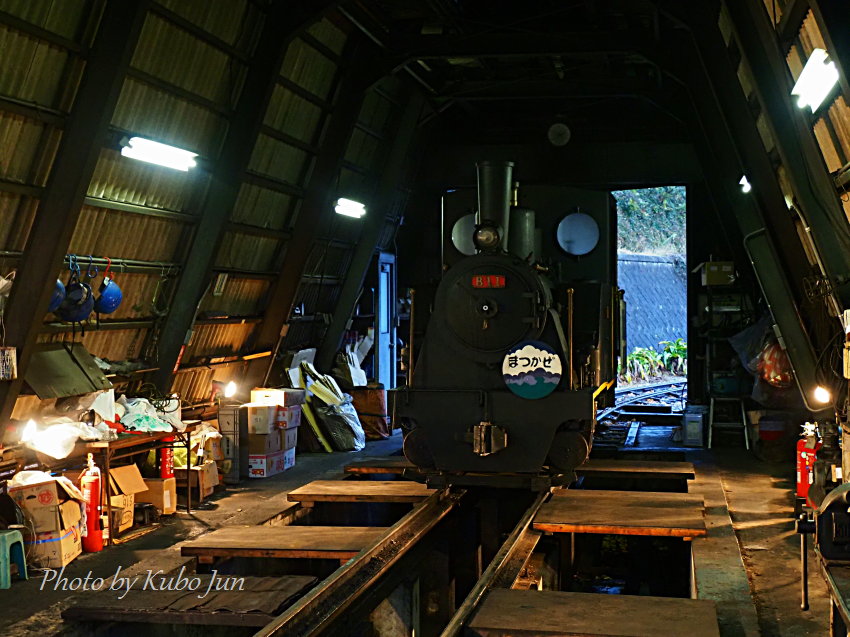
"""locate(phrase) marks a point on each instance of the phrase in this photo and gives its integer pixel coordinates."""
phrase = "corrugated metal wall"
(187, 73)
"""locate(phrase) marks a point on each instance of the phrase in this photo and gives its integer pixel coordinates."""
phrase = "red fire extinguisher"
(807, 449)
(90, 484)
(166, 460)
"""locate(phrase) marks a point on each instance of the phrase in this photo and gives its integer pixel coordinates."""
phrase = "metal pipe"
(410, 338)
(570, 374)
(804, 573)
(494, 195)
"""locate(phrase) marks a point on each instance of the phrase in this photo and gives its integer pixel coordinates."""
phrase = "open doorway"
(652, 271)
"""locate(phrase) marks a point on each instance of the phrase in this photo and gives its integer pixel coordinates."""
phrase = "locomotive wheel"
(416, 450)
(569, 450)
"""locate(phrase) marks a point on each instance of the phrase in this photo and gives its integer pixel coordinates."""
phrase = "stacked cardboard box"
(233, 425)
(53, 517)
(272, 436)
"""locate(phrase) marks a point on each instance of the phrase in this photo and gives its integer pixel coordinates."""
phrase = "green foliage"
(674, 356)
(644, 363)
(651, 220)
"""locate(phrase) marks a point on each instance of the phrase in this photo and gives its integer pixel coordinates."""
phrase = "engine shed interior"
(318, 306)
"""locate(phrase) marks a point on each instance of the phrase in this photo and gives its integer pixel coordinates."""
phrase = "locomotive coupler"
(488, 438)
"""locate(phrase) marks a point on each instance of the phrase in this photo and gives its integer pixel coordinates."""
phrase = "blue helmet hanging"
(110, 295)
(79, 299)
(58, 296)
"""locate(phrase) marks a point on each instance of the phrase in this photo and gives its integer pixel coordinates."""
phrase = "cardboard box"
(717, 272)
(233, 425)
(289, 459)
(48, 506)
(202, 477)
(272, 464)
(124, 482)
(282, 397)
(290, 438)
(162, 493)
(289, 417)
(213, 449)
(264, 419)
(56, 548)
(264, 444)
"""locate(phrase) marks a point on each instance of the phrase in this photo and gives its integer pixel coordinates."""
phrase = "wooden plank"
(514, 612)
(244, 601)
(622, 513)
(603, 467)
(322, 542)
(360, 491)
(391, 464)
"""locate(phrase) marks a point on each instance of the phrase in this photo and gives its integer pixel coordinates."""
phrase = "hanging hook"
(107, 271)
(91, 271)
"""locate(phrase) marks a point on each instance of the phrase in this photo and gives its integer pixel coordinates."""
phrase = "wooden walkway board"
(515, 613)
(390, 464)
(360, 491)
(256, 604)
(323, 542)
(622, 513)
(649, 469)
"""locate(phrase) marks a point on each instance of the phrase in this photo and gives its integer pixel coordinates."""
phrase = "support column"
(282, 24)
(371, 233)
(62, 198)
(319, 193)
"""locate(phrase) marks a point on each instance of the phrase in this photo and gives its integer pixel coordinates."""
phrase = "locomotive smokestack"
(495, 179)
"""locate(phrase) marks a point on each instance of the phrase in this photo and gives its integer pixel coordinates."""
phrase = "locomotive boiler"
(521, 347)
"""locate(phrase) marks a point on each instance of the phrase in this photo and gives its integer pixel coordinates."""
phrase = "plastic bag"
(342, 425)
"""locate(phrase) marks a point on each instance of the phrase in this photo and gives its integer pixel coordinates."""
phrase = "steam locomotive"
(521, 347)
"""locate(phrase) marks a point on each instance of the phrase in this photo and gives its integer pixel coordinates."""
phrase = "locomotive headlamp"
(487, 237)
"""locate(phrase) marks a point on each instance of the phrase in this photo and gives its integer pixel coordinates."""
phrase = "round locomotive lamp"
(487, 236)
(578, 234)
(462, 233)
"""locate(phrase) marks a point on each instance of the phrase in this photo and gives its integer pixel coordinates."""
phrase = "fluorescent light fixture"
(816, 81)
(230, 390)
(349, 208)
(745, 184)
(822, 395)
(160, 154)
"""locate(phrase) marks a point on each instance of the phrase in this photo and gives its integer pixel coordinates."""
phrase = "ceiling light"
(156, 153)
(822, 395)
(349, 208)
(230, 390)
(745, 184)
(816, 81)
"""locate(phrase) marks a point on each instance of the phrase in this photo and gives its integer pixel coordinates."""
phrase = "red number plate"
(488, 281)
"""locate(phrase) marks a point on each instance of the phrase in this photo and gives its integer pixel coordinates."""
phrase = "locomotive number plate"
(488, 281)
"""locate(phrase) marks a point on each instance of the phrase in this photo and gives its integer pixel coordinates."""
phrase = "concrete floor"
(758, 495)
(760, 500)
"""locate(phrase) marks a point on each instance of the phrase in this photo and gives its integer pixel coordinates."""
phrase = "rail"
(326, 604)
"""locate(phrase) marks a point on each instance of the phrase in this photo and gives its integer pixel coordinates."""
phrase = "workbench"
(125, 446)
(514, 613)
